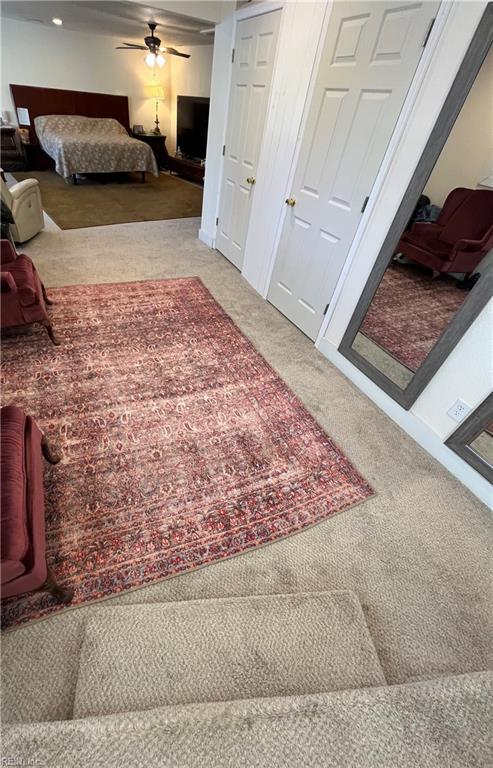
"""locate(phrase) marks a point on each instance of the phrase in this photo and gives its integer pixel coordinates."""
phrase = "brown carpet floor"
(115, 198)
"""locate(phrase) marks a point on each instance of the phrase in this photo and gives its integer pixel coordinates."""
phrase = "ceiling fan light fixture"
(153, 48)
(150, 59)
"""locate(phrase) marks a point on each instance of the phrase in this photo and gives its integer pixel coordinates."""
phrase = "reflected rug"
(410, 311)
(181, 446)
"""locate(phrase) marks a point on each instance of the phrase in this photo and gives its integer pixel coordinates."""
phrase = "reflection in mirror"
(436, 262)
(482, 444)
(473, 440)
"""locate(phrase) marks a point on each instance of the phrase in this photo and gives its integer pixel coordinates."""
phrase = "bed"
(92, 145)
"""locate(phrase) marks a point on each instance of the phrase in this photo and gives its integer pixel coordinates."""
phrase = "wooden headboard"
(55, 101)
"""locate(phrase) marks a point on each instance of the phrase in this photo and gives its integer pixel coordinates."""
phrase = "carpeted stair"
(266, 681)
(444, 723)
(220, 650)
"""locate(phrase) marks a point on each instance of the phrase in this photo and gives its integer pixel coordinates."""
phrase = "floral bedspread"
(92, 145)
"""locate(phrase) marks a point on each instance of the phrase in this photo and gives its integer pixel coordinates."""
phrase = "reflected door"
(370, 55)
(255, 47)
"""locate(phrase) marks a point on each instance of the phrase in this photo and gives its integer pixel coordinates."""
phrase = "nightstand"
(157, 143)
(13, 157)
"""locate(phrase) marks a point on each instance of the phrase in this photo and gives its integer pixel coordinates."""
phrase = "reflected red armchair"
(24, 296)
(461, 236)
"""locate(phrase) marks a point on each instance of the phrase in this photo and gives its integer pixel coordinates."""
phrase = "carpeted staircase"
(261, 681)
(222, 650)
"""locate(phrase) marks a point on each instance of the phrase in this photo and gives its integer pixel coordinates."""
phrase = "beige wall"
(35, 54)
(468, 154)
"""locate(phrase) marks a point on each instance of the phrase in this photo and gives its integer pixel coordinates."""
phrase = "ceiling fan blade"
(174, 52)
(130, 46)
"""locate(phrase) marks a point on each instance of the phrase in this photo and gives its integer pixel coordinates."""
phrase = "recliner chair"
(24, 201)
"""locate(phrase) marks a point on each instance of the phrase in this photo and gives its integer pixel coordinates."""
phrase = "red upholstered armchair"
(461, 236)
(24, 296)
(23, 559)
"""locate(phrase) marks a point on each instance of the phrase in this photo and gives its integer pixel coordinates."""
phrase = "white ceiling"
(124, 20)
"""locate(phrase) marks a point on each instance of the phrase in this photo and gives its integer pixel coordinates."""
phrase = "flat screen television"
(192, 118)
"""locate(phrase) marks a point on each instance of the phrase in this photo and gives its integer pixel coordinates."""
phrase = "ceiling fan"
(154, 48)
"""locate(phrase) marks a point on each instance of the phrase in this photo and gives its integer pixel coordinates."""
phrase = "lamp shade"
(150, 59)
(155, 92)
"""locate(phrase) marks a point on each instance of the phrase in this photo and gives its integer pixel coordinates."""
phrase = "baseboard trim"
(204, 237)
(411, 424)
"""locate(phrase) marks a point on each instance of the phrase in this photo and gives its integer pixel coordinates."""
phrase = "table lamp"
(156, 92)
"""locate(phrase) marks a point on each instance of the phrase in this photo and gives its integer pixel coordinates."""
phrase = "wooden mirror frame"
(482, 291)
(460, 440)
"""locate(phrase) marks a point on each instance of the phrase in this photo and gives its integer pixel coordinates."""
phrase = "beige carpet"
(199, 651)
(418, 555)
(115, 198)
(437, 724)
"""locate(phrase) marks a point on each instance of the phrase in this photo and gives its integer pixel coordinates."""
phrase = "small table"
(157, 143)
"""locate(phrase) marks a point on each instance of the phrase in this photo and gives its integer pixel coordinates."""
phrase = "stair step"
(143, 656)
(442, 723)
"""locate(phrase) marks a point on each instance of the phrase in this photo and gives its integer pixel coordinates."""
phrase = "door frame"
(482, 291)
(245, 13)
(459, 441)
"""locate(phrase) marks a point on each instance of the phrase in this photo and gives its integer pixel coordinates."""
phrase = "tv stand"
(186, 168)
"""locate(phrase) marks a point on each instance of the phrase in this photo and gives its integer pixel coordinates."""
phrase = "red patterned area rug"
(410, 311)
(181, 445)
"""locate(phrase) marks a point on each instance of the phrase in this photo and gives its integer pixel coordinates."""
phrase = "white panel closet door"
(255, 48)
(370, 55)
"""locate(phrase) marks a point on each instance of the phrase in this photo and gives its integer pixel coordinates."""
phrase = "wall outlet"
(459, 410)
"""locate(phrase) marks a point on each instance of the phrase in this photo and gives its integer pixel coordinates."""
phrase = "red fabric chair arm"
(8, 283)
(27, 296)
(7, 252)
(485, 243)
(467, 245)
(10, 569)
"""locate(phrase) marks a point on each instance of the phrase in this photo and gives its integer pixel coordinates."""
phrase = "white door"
(370, 55)
(255, 48)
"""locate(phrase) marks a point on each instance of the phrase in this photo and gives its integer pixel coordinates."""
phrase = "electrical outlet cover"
(459, 410)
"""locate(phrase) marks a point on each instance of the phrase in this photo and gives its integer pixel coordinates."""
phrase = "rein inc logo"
(20, 761)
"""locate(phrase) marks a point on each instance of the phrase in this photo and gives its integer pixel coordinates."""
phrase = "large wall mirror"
(473, 440)
(434, 273)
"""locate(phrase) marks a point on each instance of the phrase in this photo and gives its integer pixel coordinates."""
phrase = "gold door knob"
(251, 180)
(290, 201)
